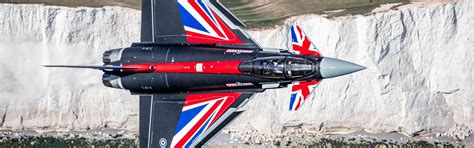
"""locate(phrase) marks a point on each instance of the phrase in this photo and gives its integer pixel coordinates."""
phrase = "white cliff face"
(34, 97)
(419, 76)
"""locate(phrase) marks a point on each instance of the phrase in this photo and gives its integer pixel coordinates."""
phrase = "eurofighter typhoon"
(195, 67)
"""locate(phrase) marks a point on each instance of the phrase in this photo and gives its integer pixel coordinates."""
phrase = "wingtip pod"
(300, 92)
(300, 43)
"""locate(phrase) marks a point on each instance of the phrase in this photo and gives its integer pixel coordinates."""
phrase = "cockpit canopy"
(279, 67)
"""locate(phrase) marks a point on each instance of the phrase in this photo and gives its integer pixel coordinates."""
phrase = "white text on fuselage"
(238, 84)
(238, 51)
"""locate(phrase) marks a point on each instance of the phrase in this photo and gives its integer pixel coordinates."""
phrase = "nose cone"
(330, 67)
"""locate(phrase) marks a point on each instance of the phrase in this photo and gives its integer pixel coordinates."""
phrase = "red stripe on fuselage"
(212, 67)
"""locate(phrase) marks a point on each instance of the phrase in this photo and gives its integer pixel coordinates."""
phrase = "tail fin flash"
(300, 92)
(300, 42)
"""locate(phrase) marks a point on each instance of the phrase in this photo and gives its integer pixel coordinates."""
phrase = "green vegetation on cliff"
(255, 13)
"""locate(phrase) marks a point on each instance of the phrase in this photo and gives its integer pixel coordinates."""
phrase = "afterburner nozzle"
(330, 67)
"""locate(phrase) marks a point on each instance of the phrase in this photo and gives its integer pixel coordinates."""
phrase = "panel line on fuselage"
(152, 20)
(150, 131)
(166, 75)
(167, 53)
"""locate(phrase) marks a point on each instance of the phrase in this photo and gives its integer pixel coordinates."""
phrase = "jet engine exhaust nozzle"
(330, 67)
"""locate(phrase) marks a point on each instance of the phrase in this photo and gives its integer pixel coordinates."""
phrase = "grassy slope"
(269, 12)
(255, 13)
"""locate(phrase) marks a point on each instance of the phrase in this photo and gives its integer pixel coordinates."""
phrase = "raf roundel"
(163, 142)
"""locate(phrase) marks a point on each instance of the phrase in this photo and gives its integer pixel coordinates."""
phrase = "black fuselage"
(258, 69)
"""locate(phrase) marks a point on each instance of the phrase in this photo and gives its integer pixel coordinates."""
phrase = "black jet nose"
(330, 67)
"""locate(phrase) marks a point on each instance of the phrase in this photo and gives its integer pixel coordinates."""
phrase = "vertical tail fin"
(300, 43)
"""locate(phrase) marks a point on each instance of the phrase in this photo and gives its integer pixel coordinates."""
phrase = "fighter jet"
(195, 68)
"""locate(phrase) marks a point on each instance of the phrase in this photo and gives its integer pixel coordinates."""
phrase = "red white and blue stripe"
(200, 111)
(203, 25)
(300, 92)
(300, 43)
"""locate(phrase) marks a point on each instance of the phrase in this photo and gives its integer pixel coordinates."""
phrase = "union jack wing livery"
(200, 112)
(300, 92)
(301, 44)
(203, 25)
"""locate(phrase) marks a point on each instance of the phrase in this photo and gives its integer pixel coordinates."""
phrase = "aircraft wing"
(187, 120)
(301, 44)
(300, 92)
(191, 21)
